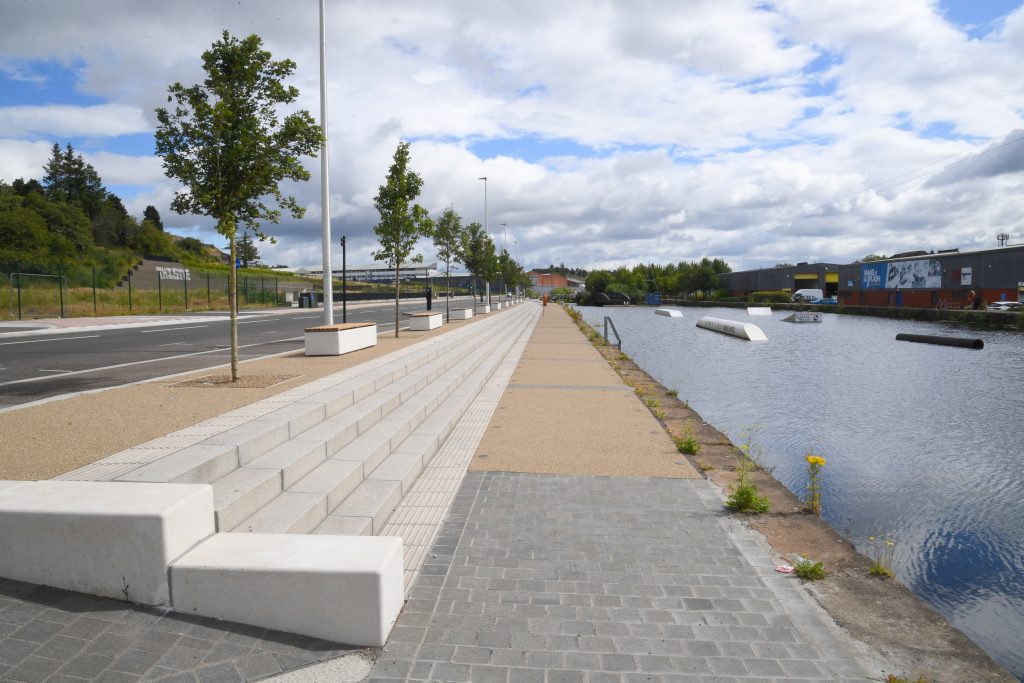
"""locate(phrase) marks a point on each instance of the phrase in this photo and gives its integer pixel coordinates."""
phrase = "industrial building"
(916, 279)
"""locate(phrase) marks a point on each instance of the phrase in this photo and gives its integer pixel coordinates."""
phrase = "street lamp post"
(344, 291)
(325, 209)
(487, 285)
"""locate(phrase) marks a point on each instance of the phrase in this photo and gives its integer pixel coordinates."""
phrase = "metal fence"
(39, 291)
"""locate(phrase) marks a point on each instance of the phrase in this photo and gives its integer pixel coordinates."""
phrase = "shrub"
(808, 570)
(744, 496)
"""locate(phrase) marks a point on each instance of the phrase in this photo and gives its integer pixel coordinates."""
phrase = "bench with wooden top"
(460, 314)
(340, 338)
(424, 320)
(483, 308)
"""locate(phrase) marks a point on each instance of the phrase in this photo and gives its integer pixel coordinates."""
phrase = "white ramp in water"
(803, 317)
(748, 331)
(759, 310)
(669, 312)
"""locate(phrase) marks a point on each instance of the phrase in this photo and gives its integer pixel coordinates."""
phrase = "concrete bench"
(460, 314)
(483, 308)
(345, 589)
(103, 538)
(338, 339)
(426, 320)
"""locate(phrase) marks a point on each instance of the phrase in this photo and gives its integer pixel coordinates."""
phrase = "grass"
(882, 556)
(672, 392)
(688, 444)
(809, 570)
(744, 496)
(893, 678)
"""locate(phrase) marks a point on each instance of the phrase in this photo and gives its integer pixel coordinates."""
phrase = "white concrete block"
(374, 498)
(403, 468)
(103, 538)
(239, 494)
(421, 322)
(482, 308)
(196, 464)
(460, 314)
(345, 589)
(289, 513)
(369, 450)
(497, 305)
(292, 460)
(345, 526)
(253, 438)
(334, 478)
(339, 339)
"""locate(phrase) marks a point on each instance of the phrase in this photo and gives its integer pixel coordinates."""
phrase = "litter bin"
(305, 300)
(430, 298)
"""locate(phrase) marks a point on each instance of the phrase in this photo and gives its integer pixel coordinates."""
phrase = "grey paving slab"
(53, 635)
(578, 578)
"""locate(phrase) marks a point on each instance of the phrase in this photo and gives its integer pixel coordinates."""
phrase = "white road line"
(39, 341)
(178, 344)
(173, 329)
(141, 362)
(40, 370)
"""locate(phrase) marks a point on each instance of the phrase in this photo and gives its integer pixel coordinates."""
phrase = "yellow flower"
(816, 460)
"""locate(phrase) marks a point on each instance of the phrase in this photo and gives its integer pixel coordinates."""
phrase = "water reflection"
(922, 441)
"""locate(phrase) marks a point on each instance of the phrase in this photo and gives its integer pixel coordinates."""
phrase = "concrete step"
(218, 455)
(240, 494)
(346, 467)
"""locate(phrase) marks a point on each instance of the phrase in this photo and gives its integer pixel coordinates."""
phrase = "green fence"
(50, 291)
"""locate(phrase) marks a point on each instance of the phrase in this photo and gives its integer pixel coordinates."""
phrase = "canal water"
(924, 444)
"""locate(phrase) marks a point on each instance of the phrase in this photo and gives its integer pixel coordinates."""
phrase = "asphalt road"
(43, 365)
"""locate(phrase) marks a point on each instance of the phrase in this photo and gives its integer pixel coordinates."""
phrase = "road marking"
(41, 370)
(173, 329)
(178, 344)
(141, 362)
(38, 341)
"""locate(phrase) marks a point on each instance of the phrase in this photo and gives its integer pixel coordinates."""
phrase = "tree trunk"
(398, 284)
(448, 294)
(233, 305)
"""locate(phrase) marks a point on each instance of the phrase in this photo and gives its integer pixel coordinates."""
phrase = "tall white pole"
(485, 205)
(325, 196)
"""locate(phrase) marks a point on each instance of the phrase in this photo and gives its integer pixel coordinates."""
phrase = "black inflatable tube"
(962, 342)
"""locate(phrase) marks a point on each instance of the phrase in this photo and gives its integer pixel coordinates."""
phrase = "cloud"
(757, 132)
(104, 120)
(1000, 157)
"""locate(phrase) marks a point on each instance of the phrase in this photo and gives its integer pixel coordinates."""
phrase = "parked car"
(807, 295)
(829, 300)
(1005, 306)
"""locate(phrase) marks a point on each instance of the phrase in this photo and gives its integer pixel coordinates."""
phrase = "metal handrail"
(618, 340)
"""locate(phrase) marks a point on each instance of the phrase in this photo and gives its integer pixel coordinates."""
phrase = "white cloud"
(755, 132)
(103, 120)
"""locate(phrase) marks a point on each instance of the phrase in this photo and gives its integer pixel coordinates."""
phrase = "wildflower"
(816, 460)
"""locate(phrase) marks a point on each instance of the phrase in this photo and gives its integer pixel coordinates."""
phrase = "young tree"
(248, 254)
(478, 253)
(224, 142)
(400, 224)
(448, 243)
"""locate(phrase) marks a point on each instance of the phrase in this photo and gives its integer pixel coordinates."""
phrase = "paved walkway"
(579, 547)
(545, 571)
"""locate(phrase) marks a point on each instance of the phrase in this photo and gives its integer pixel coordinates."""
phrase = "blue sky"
(611, 134)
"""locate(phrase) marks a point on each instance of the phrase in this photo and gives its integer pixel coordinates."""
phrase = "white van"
(808, 294)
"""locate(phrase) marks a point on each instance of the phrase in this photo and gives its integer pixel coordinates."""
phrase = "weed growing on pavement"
(812, 503)
(672, 392)
(809, 570)
(623, 356)
(658, 413)
(652, 403)
(893, 678)
(688, 443)
(744, 496)
(883, 553)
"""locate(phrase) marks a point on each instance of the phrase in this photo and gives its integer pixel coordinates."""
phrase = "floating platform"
(962, 342)
(668, 312)
(759, 310)
(803, 317)
(748, 331)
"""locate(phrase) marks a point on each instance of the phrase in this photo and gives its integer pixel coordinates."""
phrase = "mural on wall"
(926, 274)
(965, 276)
(873, 276)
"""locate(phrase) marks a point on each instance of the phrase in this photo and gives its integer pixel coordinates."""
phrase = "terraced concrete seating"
(339, 461)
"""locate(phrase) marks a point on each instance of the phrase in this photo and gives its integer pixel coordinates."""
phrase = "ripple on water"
(922, 441)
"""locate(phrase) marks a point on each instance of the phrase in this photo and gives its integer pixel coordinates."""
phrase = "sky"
(610, 133)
